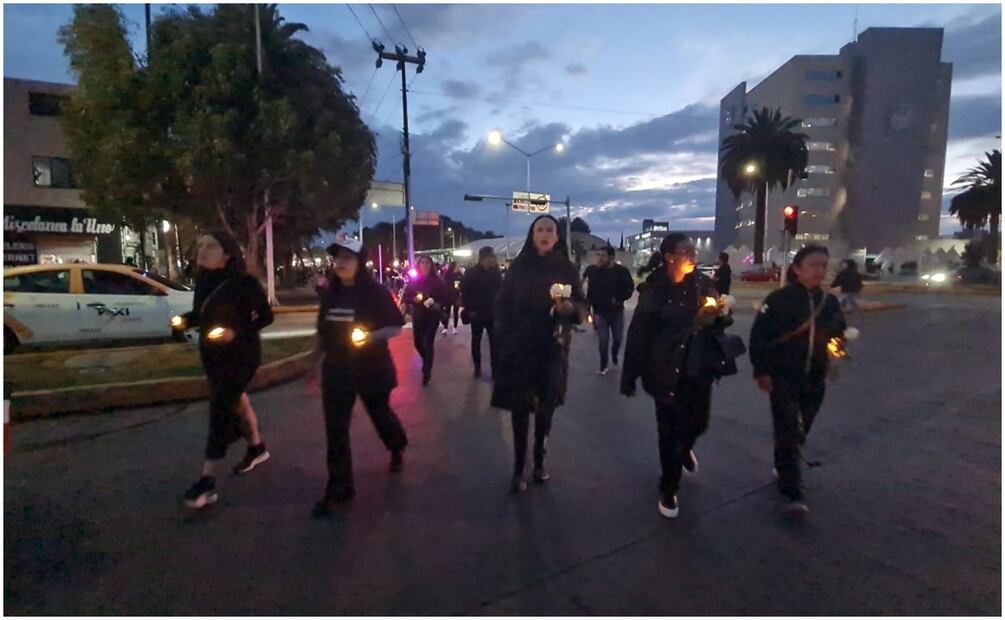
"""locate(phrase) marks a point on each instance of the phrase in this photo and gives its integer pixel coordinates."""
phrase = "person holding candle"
(229, 309)
(479, 289)
(356, 319)
(452, 277)
(789, 351)
(425, 297)
(678, 308)
(539, 301)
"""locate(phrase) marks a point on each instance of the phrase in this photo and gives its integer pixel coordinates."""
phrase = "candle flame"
(215, 333)
(418, 298)
(835, 346)
(177, 321)
(358, 336)
(710, 302)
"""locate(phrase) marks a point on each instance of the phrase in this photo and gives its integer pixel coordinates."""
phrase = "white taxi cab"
(82, 303)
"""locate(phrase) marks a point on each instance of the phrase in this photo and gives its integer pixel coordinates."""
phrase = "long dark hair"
(667, 246)
(790, 275)
(235, 262)
(528, 252)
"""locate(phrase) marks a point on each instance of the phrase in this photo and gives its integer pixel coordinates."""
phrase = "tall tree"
(766, 153)
(224, 144)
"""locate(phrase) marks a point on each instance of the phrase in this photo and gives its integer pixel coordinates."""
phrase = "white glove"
(851, 333)
(429, 303)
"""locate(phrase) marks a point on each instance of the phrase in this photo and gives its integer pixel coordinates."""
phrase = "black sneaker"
(614, 360)
(691, 463)
(518, 485)
(327, 504)
(541, 474)
(202, 493)
(426, 378)
(668, 505)
(397, 461)
(255, 456)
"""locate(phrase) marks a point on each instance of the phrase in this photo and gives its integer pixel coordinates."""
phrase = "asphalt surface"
(906, 506)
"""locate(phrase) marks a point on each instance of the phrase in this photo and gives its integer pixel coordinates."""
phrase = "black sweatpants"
(477, 328)
(424, 337)
(795, 402)
(454, 308)
(521, 428)
(338, 402)
(680, 423)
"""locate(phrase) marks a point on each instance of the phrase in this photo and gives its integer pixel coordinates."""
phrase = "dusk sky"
(632, 90)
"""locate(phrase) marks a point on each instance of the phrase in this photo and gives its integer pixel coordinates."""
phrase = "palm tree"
(767, 153)
(981, 201)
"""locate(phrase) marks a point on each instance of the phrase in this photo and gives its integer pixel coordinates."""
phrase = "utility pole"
(402, 59)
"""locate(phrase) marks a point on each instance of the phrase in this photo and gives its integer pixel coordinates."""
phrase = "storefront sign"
(60, 221)
(19, 253)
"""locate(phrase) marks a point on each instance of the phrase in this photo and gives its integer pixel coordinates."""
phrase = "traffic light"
(791, 216)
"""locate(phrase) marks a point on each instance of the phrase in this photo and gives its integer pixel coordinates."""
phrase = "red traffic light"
(790, 211)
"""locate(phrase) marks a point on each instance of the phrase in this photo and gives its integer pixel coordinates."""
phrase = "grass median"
(62, 369)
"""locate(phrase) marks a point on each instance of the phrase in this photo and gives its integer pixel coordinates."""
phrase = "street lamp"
(750, 169)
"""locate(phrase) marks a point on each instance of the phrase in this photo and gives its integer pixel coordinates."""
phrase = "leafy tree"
(767, 153)
(980, 203)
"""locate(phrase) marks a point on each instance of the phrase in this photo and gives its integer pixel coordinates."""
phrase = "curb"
(876, 306)
(43, 403)
(291, 309)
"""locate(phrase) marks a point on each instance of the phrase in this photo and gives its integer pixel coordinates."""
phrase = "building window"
(922, 237)
(822, 99)
(45, 104)
(929, 173)
(923, 217)
(810, 123)
(812, 237)
(820, 169)
(51, 172)
(823, 74)
(926, 195)
(820, 146)
(729, 116)
(803, 192)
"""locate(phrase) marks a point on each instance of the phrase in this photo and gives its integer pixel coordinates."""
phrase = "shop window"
(112, 283)
(51, 172)
(822, 99)
(55, 281)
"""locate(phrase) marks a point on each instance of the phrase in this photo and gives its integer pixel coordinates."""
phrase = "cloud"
(457, 88)
(577, 69)
(974, 48)
(514, 64)
(450, 131)
(972, 117)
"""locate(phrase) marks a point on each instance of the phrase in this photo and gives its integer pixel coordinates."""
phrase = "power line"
(407, 31)
(367, 91)
(381, 102)
(395, 109)
(381, 22)
(365, 31)
(557, 105)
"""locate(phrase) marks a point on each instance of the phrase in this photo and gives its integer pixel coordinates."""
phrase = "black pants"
(456, 309)
(521, 428)
(607, 324)
(680, 423)
(338, 403)
(225, 426)
(424, 337)
(477, 327)
(795, 402)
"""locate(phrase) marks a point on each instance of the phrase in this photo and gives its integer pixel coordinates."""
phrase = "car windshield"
(178, 286)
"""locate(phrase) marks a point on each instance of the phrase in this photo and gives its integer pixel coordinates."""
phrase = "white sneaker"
(668, 506)
(455, 332)
(444, 332)
(693, 469)
(602, 372)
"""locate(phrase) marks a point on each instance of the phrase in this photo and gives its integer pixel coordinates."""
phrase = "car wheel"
(10, 341)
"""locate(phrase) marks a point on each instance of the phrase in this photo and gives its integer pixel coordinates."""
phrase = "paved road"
(906, 507)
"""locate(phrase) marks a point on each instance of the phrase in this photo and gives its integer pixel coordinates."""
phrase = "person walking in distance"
(723, 276)
(229, 308)
(672, 312)
(425, 297)
(478, 293)
(849, 280)
(357, 318)
(789, 352)
(539, 301)
(609, 285)
(452, 280)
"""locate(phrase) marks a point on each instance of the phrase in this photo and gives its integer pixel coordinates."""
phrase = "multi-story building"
(45, 217)
(642, 245)
(876, 117)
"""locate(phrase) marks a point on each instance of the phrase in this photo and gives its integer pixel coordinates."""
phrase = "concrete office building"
(876, 115)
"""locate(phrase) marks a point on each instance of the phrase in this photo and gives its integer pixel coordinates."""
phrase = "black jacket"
(848, 281)
(661, 329)
(533, 357)
(780, 337)
(235, 301)
(723, 279)
(479, 290)
(369, 306)
(430, 287)
(452, 284)
(608, 288)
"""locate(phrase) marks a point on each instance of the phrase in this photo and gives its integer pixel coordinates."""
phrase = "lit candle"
(710, 302)
(457, 284)
(358, 336)
(835, 346)
(418, 298)
(216, 333)
(177, 321)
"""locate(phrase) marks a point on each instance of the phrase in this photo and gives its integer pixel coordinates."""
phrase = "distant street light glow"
(495, 138)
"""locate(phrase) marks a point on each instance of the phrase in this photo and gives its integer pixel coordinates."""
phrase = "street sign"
(385, 194)
(425, 218)
(531, 203)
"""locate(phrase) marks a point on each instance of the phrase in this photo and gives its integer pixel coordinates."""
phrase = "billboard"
(531, 203)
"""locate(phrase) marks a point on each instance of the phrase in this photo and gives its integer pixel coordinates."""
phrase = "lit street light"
(750, 169)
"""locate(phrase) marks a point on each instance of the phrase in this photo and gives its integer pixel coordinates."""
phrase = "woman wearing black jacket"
(452, 281)
(425, 297)
(229, 308)
(357, 318)
(788, 349)
(670, 321)
(478, 290)
(539, 301)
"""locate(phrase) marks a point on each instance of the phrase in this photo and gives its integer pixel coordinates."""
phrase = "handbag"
(713, 354)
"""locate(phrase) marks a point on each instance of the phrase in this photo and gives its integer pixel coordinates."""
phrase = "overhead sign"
(425, 218)
(531, 203)
(62, 221)
(385, 194)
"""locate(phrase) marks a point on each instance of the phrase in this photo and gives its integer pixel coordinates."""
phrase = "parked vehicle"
(83, 303)
(976, 275)
(762, 274)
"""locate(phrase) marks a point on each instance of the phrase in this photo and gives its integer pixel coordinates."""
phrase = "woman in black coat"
(357, 318)
(669, 330)
(539, 301)
(452, 277)
(229, 308)
(425, 297)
